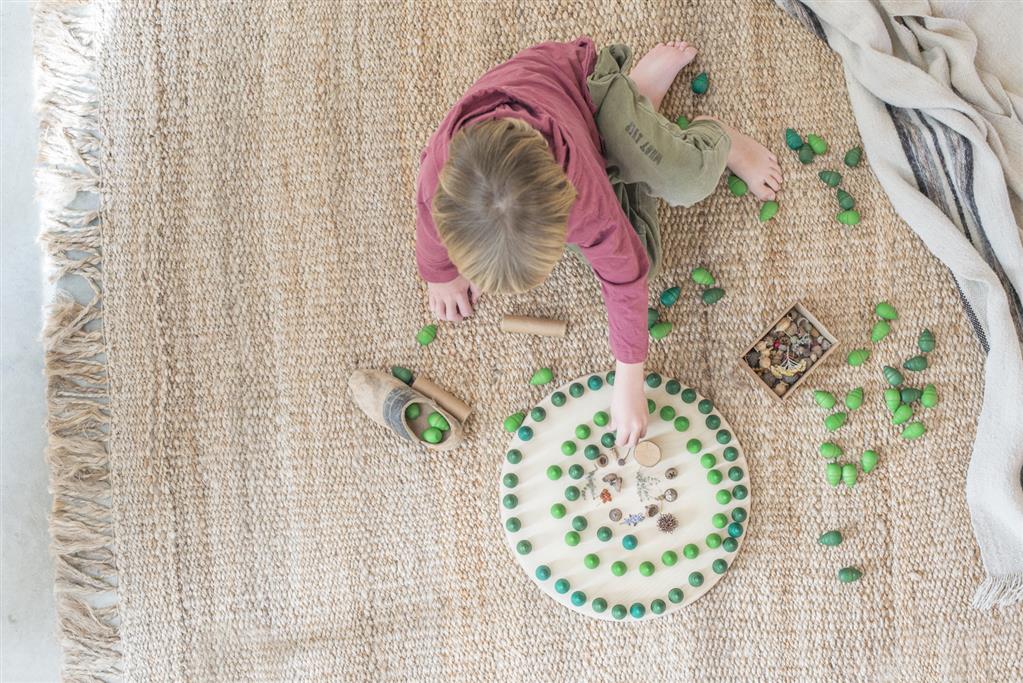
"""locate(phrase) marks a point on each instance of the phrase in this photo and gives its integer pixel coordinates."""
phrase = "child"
(558, 146)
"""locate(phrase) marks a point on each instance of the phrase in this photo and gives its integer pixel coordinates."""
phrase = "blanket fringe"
(68, 180)
(999, 591)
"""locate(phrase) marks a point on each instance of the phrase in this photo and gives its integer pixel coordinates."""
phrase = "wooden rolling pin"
(448, 401)
(523, 324)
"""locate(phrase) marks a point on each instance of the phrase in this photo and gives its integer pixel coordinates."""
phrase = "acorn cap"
(384, 398)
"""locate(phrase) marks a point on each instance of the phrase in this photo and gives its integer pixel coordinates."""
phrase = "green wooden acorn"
(849, 574)
(854, 398)
(825, 399)
(426, 334)
(712, 295)
(817, 143)
(925, 341)
(682, 122)
(806, 154)
(651, 317)
(737, 186)
(542, 376)
(909, 395)
(793, 139)
(857, 357)
(404, 374)
(700, 83)
(850, 217)
(670, 296)
(879, 331)
(834, 421)
(901, 414)
(916, 363)
(892, 399)
(437, 420)
(914, 430)
(845, 200)
(892, 376)
(830, 538)
(852, 157)
(830, 450)
(412, 411)
(660, 330)
(767, 210)
(868, 460)
(702, 276)
(833, 473)
(432, 435)
(849, 474)
(830, 178)
(886, 311)
(514, 421)
(929, 397)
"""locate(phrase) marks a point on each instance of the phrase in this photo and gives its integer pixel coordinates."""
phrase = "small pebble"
(578, 598)
(675, 595)
(558, 399)
(576, 390)
(594, 382)
(618, 568)
(619, 611)
(572, 538)
(713, 541)
(604, 533)
(599, 605)
(525, 433)
(696, 579)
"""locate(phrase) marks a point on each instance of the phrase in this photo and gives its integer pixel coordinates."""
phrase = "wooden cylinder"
(523, 324)
(448, 401)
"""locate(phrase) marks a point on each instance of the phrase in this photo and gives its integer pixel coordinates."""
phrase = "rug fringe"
(999, 591)
(68, 178)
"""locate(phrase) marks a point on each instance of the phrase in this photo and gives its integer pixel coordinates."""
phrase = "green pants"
(647, 155)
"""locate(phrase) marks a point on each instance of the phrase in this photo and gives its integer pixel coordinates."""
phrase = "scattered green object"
(849, 574)
(925, 341)
(542, 376)
(591, 561)
(413, 411)
(619, 612)
(852, 157)
(667, 413)
(830, 450)
(902, 414)
(909, 395)
(538, 414)
(426, 334)
(806, 154)
(523, 547)
(637, 610)
(848, 217)
(830, 178)
(510, 480)
(579, 523)
(713, 541)
(670, 296)
(691, 551)
(681, 423)
(696, 579)
(604, 533)
(439, 421)
(886, 311)
(514, 421)
(558, 399)
(629, 542)
(702, 276)
(404, 374)
(892, 376)
(653, 380)
(660, 330)
(793, 139)
(618, 568)
(543, 572)
(514, 456)
(554, 473)
(929, 397)
(682, 122)
(817, 143)
(432, 435)
(914, 430)
(509, 501)
(712, 296)
(576, 390)
(652, 317)
(562, 586)
(700, 83)
(830, 538)
(845, 200)
(868, 460)
(513, 524)
(879, 331)
(737, 186)
(646, 568)
(858, 357)
(599, 605)
(525, 433)
(834, 421)
(849, 474)
(825, 399)
(767, 210)
(833, 473)
(694, 446)
(916, 363)
(578, 598)
(892, 399)
(854, 398)
(572, 538)
(669, 558)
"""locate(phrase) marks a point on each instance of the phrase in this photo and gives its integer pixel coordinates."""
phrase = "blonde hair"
(501, 206)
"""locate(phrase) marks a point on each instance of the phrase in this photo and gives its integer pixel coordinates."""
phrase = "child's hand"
(628, 405)
(452, 300)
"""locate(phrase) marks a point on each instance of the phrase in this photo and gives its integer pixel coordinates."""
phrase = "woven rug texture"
(254, 245)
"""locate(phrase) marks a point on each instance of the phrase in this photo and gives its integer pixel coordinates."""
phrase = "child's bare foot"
(656, 71)
(752, 162)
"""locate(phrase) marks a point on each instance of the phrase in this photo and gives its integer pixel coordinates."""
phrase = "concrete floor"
(29, 650)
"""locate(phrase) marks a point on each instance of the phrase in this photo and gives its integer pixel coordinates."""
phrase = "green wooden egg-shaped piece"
(793, 139)
(682, 121)
(834, 421)
(909, 395)
(670, 296)
(437, 420)
(845, 200)
(925, 341)
(767, 210)
(868, 460)
(886, 310)
(879, 331)
(849, 217)
(700, 83)
(849, 474)
(892, 376)
(712, 295)
(857, 357)
(542, 376)
(702, 276)
(852, 157)
(514, 421)
(830, 538)
(737, 186)
(849, 574)
(806, 154)
(830, 178)
(426, 334)
(916, 363)
(404, 374)
(902, 414)
(914, 430)
(660, 330)
(854, 398)
(651, 317)
(432, 435)
(830, 450)
(817, 143)
(892, 399)
(825, 399)
(929, 397)
(413, 411)
(833, 473)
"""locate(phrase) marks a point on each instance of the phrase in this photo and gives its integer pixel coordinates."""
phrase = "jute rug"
(223, 512)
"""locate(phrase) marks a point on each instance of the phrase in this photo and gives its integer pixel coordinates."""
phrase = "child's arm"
(628, 404)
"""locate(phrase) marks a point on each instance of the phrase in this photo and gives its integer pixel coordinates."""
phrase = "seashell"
(767, 210)
(848, 217)
(916, 363)
(602, 461)
(853, 156)
(830, 178)
(925, 341)
(817, 144)
(879, 331)
(886, 310)
(670, 473)
(857, 357)
(929, 397)
(893, 376)
(793, 140)
(806, 154)
(614, 514)
(737, 186)
(845, 200)
(670, 495)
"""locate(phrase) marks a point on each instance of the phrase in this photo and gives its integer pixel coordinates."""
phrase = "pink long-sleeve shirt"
(545, 86)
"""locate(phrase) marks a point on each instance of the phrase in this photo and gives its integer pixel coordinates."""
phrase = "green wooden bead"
(848, 217)
(542, 376)
(910, 395)
(513, 421)
(523, 547)
(892, 376)
(714, 477)
(825, 399)
(713, 541)
(682, 121)
(849, 574)
(830, 178)
(579, 523)
(675, 595)
(646, 568)
(619, 612)
(618, 568)
(432, 435)
(854, 399)
(696, 579)
(700, 83)
(902, 414)
(849, 474)
(599, 605)
(830, 538)
(834, 421)
(591, 561)
(437, 420)
(723, 497)
(650, 406)
(562, 586)
(712, 296)
(740, 492)
(833, 473)
(768, 210)
(735, 530)
(929, 397)
(558, 399)
(868, 460)
(735, 473)
(688, 395)
(607, 440)
(681, 423)
(702, 276)
(652, 316)
(915, 364)
(578, 598)
(404, 374)
(525, 433)
(426, 334)
(852, 157)
(514, 456)
(886, 311)
(594, 382)
(793, 140)
(706, 406)
(737, 186)
(691, 551)
(543, 572)
(657, 606)
(513, 524)
(669, 558)
(730, 544)
(653, 380)
(571, 493)
(413, 411)
(707, 460)
(582, 432)
(806, 154)
(558, 511)
(572, 538)
(576, 471)
(538, 414)
(694, 446)
(637, 610)
(719, 520)
(739, 514)
(845, 200)
(576, 390)
(509, 501)
(670, 296)
(629, 542)
(892, 399)
(591, 452)
(510, 480)
(604, 533)
(610, 378)
(914, 430)
(672, 386)
(857, 357)
(817, 144)
(830, 450)
(667, 413)
(568, 447)
(712, 422)
(730, 453)
(660, 330)
(719, 566)
(723, 436)
(600, 418)
(925, 341)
